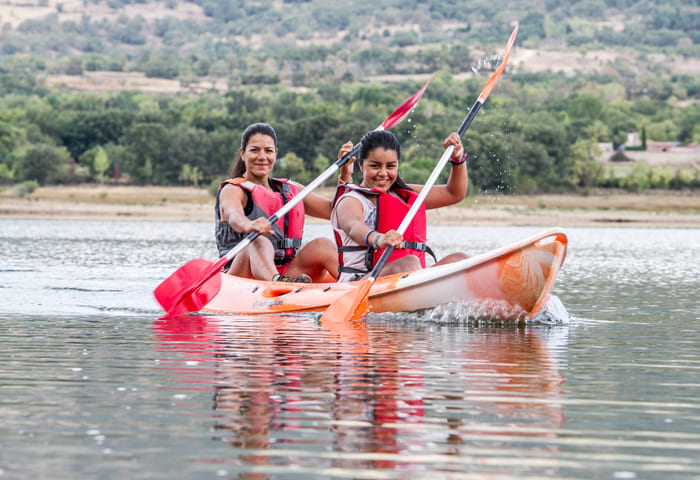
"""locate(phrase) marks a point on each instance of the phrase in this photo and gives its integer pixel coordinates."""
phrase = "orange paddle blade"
(486, 91)
(190, 287)
(352, 304)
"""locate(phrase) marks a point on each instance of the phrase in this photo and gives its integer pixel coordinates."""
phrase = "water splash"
(481, 314)
(460, 313)
(553, 313)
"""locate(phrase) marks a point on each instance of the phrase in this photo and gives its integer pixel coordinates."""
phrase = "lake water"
(94, 383)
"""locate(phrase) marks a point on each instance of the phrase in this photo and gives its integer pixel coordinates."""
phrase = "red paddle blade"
(352, 304)
(190, 287)
(401, 112)
(497, 74)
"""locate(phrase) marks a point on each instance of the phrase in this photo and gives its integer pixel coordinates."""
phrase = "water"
(95, 384)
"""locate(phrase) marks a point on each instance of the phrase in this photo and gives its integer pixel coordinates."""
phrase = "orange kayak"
(511, 283)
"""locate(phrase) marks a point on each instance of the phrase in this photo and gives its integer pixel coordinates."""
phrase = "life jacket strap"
(284, 243)
(344, 269)
(420, 246)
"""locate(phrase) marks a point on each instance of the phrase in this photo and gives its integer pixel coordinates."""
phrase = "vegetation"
(537, 132)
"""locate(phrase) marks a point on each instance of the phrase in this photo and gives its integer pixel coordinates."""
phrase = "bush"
(25, 188)
(213, 188)
(44, 164)
(638, 179)
(619, 156)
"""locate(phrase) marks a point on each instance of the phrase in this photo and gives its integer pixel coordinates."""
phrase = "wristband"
(464, 159)
(367, 236)
(374, 243)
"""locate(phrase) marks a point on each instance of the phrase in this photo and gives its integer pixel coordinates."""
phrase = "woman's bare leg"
(255, 261)
(316, 258)
(451, 258)
(408, 263)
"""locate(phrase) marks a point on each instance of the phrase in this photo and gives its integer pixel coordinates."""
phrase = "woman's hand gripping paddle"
(354, 303)
(195, 283)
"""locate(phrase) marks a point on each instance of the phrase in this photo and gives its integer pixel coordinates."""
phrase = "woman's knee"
(453, 257)
(408, 263)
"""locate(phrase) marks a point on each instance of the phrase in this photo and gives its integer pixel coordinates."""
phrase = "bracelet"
(374, 243)
(367, 236)
(464, 159)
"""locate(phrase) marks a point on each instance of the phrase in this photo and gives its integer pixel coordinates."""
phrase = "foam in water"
(491, 313)
(553, 313)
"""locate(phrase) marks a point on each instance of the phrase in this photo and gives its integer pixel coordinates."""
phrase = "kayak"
(510, 283)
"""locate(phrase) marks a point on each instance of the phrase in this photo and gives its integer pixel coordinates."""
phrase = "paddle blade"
(401, 112)
(497, 74)
(190, 287)
(352, 304)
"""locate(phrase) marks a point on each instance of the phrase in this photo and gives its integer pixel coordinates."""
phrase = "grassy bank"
(599, 208)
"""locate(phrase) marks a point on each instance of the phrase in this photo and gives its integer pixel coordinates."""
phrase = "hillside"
(156, 91)
(221, 43)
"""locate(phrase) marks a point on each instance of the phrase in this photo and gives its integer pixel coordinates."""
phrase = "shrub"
(25, 188)
(619, 156)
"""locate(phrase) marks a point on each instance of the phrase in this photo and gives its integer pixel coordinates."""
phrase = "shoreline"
(189, 204)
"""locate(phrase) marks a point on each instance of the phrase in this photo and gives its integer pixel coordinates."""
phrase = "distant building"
(661, 146)
(632, 139)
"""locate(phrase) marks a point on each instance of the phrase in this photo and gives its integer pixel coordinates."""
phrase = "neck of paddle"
(426, 189)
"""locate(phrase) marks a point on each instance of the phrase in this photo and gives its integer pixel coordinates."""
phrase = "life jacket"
(391, 211)
(286, 232)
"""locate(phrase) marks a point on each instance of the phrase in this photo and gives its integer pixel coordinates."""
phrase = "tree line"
(536, 133)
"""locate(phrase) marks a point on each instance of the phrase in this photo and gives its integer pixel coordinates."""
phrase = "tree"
(190, 174)
(587, 171)
(44, 164)
(292, 166)
(101, 163)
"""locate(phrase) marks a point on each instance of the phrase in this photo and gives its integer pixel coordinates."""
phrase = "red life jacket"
(390, 213)
(287, 231)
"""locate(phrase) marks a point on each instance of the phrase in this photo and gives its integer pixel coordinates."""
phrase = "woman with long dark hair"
(250, 196)
(365, 216)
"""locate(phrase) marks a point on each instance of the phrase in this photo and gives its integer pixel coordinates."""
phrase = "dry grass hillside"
(14, 12)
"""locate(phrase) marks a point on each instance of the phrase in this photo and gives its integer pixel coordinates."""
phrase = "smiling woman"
(365, 217)
(246, 201)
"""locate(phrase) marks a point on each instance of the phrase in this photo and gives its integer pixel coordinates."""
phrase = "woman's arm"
(232, 203)
(351, 220)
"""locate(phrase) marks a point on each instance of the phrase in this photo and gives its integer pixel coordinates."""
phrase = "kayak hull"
(511, 283)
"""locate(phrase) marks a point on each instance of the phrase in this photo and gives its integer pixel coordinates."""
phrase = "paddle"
(353, 304)
(195, 283)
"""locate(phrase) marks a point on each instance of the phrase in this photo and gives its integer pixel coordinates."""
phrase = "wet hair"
(386, 140)
(238, 168)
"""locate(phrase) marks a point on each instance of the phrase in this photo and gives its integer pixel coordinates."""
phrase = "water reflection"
(388, 396)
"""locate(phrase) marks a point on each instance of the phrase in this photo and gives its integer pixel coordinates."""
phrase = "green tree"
(190, 174)
(45, 164)
(292, 166)
(101, 163)
(587, 172)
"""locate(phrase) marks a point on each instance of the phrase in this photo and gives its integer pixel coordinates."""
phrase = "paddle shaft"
(426, 189)
(355, 302)
(445, 157)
